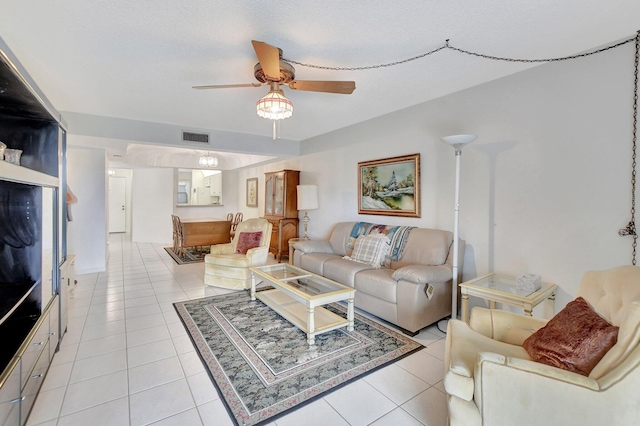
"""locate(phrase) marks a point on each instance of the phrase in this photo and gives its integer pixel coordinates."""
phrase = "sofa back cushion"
(615, 294)
(339, 238)
(425, 247)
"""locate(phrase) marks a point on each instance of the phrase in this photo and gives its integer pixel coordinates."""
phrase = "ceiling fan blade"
(343, 87)
(226, 86)
(269, 57)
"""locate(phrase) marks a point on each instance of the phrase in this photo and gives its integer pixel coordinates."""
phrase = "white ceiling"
(138, 59)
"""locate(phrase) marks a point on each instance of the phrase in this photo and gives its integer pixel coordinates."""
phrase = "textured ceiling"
(139, 59)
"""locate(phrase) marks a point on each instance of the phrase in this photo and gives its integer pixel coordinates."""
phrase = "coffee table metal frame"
(299, 295)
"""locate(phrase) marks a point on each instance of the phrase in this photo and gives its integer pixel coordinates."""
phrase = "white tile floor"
(127, 360)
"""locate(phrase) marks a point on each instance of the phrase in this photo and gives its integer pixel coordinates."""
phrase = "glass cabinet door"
(279, 197)
(268, 196)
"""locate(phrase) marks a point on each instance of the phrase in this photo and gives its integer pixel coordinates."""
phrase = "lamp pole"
(457, 142)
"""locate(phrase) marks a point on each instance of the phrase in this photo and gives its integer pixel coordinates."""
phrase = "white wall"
(545, 187)
(87, 232)
(153, 201)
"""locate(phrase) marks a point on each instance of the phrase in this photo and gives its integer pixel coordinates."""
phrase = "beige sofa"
(395, 293)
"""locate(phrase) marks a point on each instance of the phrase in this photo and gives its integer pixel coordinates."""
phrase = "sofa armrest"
(313, 246)
(221, 249)
(505, 389)
(422, 274)
(257, 255)
(504, 326)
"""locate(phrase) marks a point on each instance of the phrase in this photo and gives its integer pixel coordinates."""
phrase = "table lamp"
(307, 200)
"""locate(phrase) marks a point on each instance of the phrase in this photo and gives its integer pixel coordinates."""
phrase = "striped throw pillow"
(371, 249)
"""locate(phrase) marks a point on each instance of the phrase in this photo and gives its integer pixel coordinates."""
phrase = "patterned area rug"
(192, 255)
(262, 364)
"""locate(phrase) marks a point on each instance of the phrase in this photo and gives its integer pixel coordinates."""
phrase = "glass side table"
(498, 288)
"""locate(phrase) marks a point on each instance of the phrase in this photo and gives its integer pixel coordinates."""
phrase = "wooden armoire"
(281, 209)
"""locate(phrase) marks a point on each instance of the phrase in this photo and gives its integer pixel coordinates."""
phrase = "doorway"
(117, 204)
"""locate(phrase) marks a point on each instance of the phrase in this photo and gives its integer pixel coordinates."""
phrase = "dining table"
(205, 232)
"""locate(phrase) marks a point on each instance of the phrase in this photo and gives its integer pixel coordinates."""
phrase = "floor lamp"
(457, 142)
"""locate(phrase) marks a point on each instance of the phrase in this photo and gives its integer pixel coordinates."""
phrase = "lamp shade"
(307, 197)
(458, 141)
(274, 106)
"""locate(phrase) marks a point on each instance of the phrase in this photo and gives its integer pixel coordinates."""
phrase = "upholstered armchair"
(227, 265)
(491, 379)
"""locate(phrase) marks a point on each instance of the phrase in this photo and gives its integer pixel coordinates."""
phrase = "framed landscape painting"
(390, 186)
(252, 192)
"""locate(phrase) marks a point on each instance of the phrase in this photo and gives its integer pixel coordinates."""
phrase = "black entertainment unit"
(31, 239)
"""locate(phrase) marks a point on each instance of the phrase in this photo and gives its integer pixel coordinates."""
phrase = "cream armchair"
(226, 268)
(491, 380)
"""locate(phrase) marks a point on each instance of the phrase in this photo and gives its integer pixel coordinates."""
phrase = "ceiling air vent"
(195, 137)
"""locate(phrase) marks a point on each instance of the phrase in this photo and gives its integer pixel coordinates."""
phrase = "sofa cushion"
(340, 236)
(314, 262)
(465, 345)
(343, 271)
(425, 247)
(313, 246)
(615, 295)
(628, 340)
(575, 339)
(371, 249)
(248, 240)
(377, 283)
(235, 260)
(422, 274)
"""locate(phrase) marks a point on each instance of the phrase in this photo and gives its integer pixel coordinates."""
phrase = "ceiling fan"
(272, 70)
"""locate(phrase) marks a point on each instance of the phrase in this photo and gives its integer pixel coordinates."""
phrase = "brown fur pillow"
(575, 339)
(248, 240)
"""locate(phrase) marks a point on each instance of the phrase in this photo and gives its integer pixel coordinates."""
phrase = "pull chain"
(631, 227)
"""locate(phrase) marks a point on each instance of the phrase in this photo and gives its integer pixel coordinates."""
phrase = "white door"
(117, 204)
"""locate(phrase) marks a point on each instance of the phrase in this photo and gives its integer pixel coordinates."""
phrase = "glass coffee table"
(299, 295)
(502, 289)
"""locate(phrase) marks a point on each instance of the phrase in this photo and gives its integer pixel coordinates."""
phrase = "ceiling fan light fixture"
(274, 106)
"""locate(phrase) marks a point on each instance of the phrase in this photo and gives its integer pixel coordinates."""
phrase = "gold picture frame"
(252, 192)
(390, 186)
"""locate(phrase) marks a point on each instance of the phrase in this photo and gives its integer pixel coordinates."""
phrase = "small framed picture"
(252, 192)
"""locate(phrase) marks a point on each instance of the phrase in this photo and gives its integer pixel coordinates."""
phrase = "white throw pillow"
(371, 249)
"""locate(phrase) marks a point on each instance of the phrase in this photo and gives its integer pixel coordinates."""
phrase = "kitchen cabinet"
(214, 182)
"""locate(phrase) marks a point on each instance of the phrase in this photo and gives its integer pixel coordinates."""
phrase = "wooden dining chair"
(175, 233)
(230, 217)
(179, 248)
(236, 220)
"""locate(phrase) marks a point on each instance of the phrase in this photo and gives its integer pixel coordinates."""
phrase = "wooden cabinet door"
(278, 196)
(268, 194)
